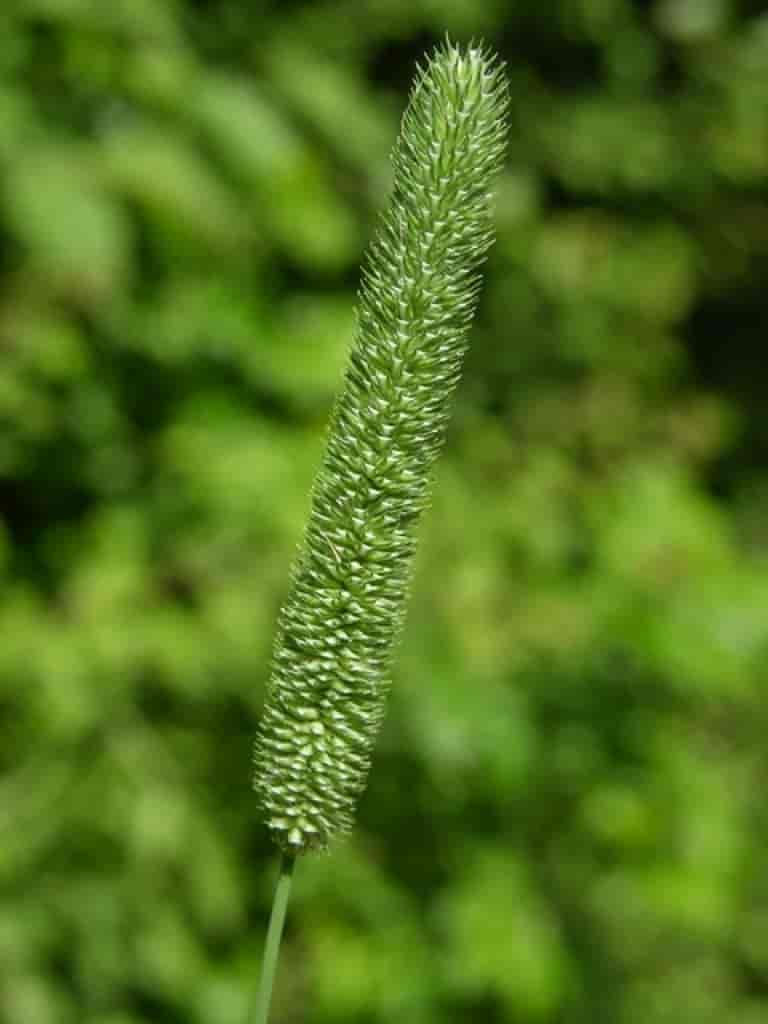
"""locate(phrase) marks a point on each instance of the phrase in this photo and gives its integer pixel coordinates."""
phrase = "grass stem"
(274, 935)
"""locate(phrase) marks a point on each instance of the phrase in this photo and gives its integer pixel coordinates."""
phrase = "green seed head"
(345, 607)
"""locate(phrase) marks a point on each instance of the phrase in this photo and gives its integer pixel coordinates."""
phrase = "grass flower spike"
(345, 608)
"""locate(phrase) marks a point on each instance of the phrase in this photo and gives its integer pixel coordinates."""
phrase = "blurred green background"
(567, 817)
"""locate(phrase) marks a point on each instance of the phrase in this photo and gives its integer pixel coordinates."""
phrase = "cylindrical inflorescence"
(344, 611)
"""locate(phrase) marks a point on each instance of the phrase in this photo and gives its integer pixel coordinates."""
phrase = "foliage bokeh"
(566, 818)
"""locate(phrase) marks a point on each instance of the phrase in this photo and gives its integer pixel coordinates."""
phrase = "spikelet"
(346, 603)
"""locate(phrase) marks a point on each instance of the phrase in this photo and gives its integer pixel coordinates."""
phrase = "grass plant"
(345, 608)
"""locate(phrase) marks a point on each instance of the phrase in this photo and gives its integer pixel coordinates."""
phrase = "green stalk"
(274, 935)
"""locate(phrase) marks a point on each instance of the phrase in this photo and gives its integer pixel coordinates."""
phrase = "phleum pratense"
(340, 622)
